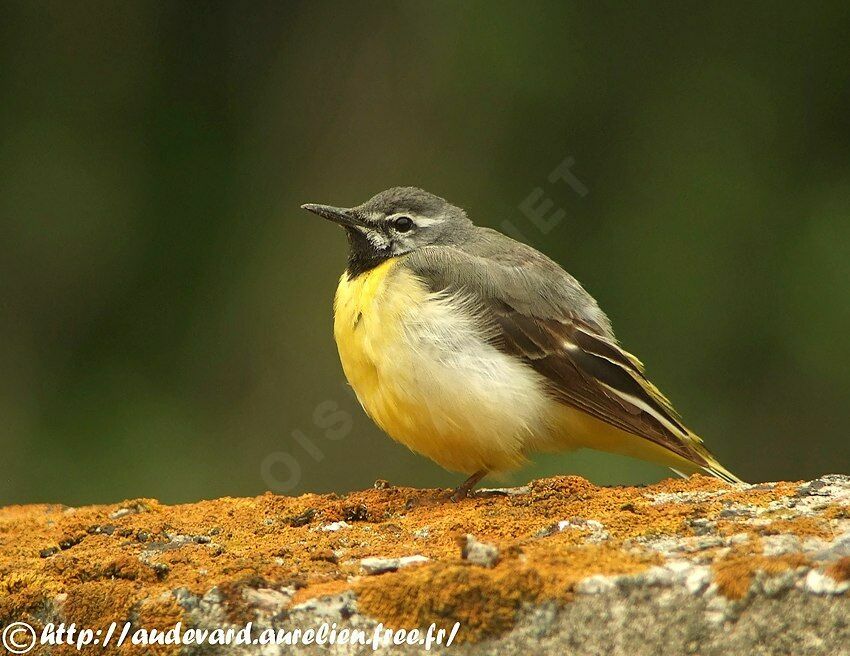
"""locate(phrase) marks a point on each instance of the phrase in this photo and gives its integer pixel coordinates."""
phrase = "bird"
(476, 350)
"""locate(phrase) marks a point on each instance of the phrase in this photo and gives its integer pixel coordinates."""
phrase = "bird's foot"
(464, 490)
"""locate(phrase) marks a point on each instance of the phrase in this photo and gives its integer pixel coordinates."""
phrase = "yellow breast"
(425, 373)
(367, 324)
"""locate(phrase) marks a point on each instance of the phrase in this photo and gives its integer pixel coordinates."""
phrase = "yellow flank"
(580, 430)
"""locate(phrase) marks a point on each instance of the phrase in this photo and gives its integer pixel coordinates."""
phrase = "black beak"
(340, 215)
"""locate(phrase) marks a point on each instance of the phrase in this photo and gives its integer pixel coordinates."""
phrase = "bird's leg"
(462, 491)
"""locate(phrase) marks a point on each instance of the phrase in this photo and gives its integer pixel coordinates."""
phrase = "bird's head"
(395, 222)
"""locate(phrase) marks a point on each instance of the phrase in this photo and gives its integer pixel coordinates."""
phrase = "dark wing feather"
(610, 390)
(542, 315)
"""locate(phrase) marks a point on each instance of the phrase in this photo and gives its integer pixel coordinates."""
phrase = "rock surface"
(558, 566)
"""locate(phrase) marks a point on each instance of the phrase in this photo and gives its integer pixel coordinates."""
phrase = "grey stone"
(479, 553)
(382, 565)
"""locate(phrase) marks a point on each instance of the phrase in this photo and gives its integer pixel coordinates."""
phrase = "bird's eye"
(403, 223)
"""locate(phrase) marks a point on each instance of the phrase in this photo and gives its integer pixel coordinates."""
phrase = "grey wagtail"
(475, 350)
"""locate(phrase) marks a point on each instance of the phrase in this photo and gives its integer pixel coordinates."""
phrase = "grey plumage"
(545, 317)
(533, 310)
(499, 268)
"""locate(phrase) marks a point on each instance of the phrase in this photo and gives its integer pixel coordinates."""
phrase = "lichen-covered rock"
(558, 566)
(478, 553)
(384, 565)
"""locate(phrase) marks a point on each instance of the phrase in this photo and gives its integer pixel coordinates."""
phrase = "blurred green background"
(165, 306)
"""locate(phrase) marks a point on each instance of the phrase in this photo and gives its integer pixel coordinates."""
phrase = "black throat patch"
(363, 255)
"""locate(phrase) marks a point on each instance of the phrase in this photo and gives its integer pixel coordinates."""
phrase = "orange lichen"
(320, 590)
(837, 512)
(97, 603)
(98, 564)
(801, 526)
(734, 574)
(486, 601)
(840, 569)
